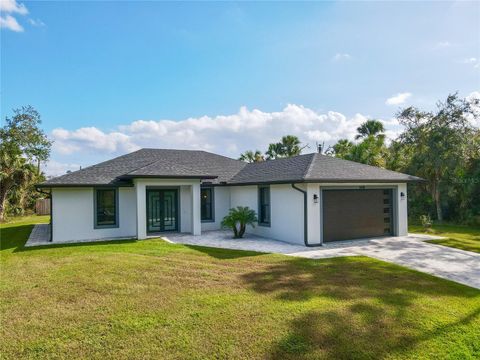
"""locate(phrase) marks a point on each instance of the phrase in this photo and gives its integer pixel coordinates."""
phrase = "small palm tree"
(250, 156)
(238, 218)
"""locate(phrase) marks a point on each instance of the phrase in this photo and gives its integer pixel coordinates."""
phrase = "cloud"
(474, 99)
(10, 23)
(91, 138)
(398, 99)
(11, 6)
(471, 61)
(7, 21)
(228, 135)
(341, 57)
(55, 168)
(443, 45)
(37, 23)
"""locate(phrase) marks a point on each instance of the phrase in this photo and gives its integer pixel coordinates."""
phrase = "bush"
(426, 221)
(238, 218)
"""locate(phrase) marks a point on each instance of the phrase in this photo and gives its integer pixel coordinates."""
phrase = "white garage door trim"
(394, 189)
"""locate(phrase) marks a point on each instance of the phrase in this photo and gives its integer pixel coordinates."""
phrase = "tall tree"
(370, 128)
(439, 143)
(343, 148)
(370, 150)
(251, 156)
(22, 144)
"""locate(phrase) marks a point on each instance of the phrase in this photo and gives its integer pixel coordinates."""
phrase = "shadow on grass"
(375, 306)
(223, 254)
(78, 244)
(14, 236)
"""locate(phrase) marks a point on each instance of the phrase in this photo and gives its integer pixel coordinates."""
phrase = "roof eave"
(168, 177)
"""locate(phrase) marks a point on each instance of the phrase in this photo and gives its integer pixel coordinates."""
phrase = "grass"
(456, 236)
(152, 299)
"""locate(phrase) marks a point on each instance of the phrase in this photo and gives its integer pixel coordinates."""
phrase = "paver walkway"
(410, 251)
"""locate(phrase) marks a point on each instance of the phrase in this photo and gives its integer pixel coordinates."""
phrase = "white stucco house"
(307, 199)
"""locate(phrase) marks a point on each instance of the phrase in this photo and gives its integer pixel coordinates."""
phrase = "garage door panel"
(352, 214)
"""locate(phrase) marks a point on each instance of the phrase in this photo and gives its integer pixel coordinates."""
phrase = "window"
(106, 208)
(264, 205)
(206, 204)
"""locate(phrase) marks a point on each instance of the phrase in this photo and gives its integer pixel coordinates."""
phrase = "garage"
(357, 213)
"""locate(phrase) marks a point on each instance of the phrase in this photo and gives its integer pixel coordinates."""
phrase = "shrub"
(426, 221)
(238, 218)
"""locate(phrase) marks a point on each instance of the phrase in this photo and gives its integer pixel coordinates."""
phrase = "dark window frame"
(268, 222)
(212, 204)
(95, 211)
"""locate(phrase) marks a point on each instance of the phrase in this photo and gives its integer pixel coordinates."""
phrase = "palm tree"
(370, 128)
(275, 151)
(250, 156)
(238, 218)
(288, 146)
(343, 148)
(291, 146)
(15, 173)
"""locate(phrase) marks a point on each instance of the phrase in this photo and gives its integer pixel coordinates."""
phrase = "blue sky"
(109, 77)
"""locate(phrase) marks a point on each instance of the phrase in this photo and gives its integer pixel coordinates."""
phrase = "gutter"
(305, 217)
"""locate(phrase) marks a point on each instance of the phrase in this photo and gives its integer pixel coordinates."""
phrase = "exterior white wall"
(286, 211)
(185, 209)
(402, 211)
(73, 215)
(189, 203)
(221, 198)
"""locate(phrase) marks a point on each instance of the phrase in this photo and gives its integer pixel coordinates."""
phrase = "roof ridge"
(363, 164)
(307, 172)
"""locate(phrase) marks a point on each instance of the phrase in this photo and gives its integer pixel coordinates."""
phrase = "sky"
(112, 77)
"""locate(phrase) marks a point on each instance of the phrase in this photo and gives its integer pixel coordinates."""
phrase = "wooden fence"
(42, 207)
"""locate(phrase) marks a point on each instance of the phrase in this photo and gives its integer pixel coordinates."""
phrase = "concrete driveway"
(410, 251)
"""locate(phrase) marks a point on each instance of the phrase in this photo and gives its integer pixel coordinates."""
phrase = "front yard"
(152, 299)
(457, 236)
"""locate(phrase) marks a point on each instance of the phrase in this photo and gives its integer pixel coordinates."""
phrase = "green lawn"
(457, 236)
(152, 299)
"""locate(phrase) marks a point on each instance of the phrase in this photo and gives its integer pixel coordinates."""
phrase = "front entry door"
(162, 210)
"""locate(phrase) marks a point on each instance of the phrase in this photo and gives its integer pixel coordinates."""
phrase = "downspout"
(305, 217)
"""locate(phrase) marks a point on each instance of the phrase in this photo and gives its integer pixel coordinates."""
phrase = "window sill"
(208, 221)
(99, 227)
(264, 224)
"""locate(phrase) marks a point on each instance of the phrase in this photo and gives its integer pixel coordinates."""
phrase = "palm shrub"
(238, 218)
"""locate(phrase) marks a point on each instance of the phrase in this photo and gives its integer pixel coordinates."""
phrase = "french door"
(162, 210)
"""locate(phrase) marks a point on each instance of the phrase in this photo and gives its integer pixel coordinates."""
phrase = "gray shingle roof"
(153, 162)
(220, 169)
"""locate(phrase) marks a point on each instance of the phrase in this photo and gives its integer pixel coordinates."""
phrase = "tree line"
(441, 146)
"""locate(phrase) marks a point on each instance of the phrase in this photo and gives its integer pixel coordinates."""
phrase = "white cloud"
(11, 6)
(475, 117)
(472, 61)
(224, 134)
(37, 23)
(91, 138)
(55, 168)
(341, 57)
(398, 99)
(443, 45)
(10, 23)
(7, 21)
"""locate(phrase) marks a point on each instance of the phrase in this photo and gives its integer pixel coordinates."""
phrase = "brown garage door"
(355, 214)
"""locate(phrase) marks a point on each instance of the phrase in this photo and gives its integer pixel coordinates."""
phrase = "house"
(307, 199)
